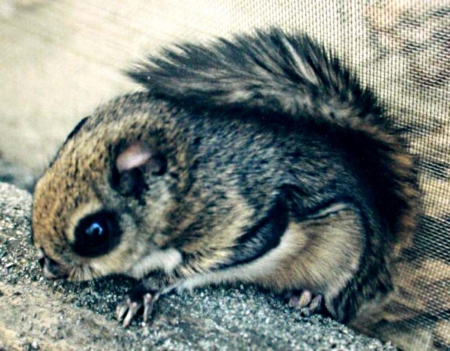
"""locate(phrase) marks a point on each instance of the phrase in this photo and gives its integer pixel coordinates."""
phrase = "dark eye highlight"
(96, 234)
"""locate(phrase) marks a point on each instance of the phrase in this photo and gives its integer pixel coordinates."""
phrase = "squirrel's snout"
(51, 269)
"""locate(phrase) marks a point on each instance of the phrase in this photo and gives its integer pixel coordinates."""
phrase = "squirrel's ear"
(132, 163)
(134, 156)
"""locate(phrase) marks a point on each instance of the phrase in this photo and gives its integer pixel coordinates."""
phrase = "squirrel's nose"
(41, 261)
(51, 269)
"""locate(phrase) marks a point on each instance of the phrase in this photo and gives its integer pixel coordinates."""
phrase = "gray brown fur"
(281, 170)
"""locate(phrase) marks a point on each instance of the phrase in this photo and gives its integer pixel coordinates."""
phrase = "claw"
(149, 299)
(314, 303)
(133, 308)
(305, 299)
(121, 309)
(128, 309)
(300, 301)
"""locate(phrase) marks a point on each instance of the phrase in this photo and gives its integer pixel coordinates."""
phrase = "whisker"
(87, 273)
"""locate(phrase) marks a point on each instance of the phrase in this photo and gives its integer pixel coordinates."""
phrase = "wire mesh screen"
(400, 48)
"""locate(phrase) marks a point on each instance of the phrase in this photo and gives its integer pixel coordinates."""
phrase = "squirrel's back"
(293, 79)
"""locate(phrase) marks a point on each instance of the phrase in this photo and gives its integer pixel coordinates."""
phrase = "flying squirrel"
(260, 159)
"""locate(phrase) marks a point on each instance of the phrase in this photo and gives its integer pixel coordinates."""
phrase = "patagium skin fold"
(259, 159)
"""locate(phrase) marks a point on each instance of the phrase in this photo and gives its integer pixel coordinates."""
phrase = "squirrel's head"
(101, 205)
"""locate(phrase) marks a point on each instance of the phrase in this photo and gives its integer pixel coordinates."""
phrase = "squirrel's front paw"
(138, 299)
(305, 299)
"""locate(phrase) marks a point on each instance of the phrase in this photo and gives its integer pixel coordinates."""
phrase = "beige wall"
(60, 59)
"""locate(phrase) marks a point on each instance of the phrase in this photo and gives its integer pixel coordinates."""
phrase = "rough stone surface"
(36, 314)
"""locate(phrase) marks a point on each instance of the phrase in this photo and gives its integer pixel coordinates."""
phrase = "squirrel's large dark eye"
(96, 234)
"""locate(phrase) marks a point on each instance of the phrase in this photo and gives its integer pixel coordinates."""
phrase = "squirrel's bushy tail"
(295, 78)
